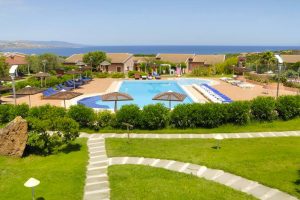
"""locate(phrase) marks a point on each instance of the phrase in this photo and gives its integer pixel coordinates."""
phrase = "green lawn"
(147, 183)
(272, 161)
(62, 176)
(290, 125)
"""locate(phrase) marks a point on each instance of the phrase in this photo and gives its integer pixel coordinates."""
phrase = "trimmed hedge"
(129, 114)
(238, 112)
(263, 108)
(288, 107)
(154, 116)
(83, 115)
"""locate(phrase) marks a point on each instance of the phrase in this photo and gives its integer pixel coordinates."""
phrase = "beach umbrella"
(73, 72)
(169, 96)
(42, 75)
(64, 95)
(116, 96)
(3, 89)
(28, 90)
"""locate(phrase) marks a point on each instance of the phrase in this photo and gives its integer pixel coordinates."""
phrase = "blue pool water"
(143, 92)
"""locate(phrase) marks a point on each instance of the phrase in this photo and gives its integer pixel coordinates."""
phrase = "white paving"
(97, 183)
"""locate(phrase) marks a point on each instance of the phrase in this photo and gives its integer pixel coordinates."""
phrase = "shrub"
(238, 112)
(263, 108)
(129, 114)
(68, 128)
(209, 115)
(102, 75)
(288, 107)
(18, 110)
(104, 119)
(118, 75)
(202, 71)
(181, 116)
(132, 73)
(154, 116)
(4, 113)
(83, 115)
(198, 115)
(47, 112)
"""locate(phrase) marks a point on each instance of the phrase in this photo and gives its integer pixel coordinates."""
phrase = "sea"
(184, 49)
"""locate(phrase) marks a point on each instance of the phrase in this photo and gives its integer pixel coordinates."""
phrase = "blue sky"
(153, 22)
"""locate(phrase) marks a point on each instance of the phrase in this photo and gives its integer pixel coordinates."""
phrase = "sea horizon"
(156, 49)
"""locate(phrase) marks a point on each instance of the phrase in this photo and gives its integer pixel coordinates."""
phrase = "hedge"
(288, 107)
(263, 108)
(154, 116)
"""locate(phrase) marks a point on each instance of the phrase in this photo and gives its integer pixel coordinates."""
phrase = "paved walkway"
(97, 185)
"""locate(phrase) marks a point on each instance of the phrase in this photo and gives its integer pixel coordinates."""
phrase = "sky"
(152, 22)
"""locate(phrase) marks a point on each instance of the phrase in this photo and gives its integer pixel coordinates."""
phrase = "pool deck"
(100, 86)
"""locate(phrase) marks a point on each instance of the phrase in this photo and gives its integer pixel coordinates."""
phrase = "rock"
(13, 138)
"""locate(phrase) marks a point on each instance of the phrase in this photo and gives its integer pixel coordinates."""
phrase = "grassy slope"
(147, 183)
(229, 128)
(62, 176)
(271, 161)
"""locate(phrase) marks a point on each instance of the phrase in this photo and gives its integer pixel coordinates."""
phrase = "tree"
(3, 67)
(94, 58)
(34, 63)
(267, 59)
(52, 61)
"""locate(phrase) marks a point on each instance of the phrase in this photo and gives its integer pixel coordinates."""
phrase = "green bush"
(288, 107)
(129, 114)
(238, 112)
(83, 115)
(18, 110)
(132, 73)
(209, 115)
(47, 112)
(263, 108)
(198, 115)
(4, 113)
(102, 75)
(104, 119)
(181, 116)
(202, 71)
(68, 128)
(117, 75)
(154, 117)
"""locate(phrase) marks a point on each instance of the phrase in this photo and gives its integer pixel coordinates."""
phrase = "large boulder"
(13, 138)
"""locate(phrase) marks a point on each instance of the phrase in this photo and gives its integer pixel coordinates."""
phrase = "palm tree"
(267, 59)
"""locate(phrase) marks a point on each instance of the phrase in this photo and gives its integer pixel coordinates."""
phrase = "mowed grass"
(279, 125)
(271, 161)
(62, 176)
(147, 183)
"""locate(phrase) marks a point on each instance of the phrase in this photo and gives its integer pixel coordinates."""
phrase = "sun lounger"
(144, 77)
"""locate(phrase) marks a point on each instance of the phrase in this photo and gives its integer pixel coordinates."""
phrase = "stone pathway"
(97, 185)
(236, 182)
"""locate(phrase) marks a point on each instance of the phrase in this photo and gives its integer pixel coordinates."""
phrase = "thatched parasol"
(169, 96)
(64, 95)
(42, 75)
(28, 90)
(116, 96)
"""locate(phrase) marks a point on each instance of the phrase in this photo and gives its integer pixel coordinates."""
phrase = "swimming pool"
(143, 92)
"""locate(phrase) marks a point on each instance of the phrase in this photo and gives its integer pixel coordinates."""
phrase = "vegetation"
(62, 175)
(142, 182)
(3, 67)
(270, 161)
(94, 58)
(37, 62)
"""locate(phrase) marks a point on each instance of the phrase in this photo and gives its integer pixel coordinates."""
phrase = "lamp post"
(31, 183)
(12, 74)
(44, 63)
(280, 63)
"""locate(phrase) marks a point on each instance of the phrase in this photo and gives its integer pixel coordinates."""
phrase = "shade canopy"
(80, 63)
(64, 95)
(73, 72)
(170, 96)
(28, 90)
(41, 75)
(32, 182)
(86, 68)
(105, 63)
(116, 96)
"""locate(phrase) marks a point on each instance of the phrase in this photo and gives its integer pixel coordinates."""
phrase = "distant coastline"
(199, 49)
